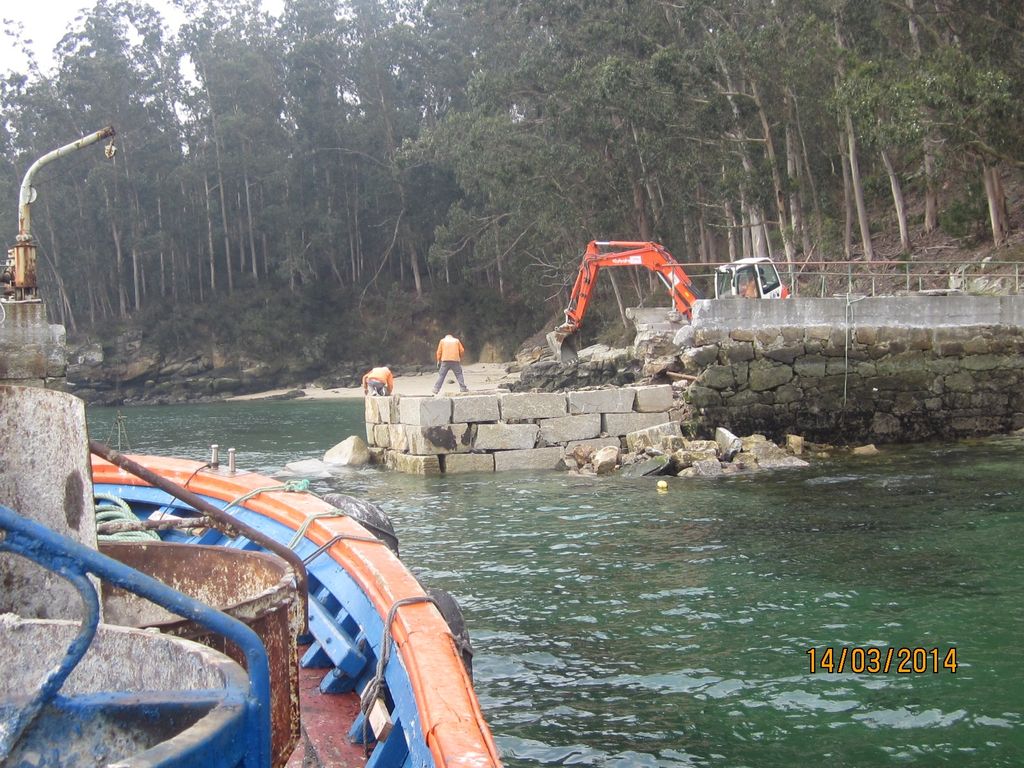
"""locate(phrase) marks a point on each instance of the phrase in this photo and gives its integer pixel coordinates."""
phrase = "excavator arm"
(619, 253)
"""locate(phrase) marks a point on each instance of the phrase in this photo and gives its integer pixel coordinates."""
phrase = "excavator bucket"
(563, 346)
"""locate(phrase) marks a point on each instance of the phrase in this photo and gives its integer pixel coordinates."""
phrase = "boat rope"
(290, 486)
(114, 509)
(198, 469)
(335, 539)
(301, 530)
(375, 687)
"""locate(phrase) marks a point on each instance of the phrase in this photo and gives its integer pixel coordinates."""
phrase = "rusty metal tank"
(136, 699)
(256, 588)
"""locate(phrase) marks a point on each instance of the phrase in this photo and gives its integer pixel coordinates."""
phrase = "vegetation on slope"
(356, 177)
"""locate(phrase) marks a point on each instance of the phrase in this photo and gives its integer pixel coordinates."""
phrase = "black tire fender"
(452, 614)
(369, 515)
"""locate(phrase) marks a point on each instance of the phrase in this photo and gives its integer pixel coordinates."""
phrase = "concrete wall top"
(880, 311)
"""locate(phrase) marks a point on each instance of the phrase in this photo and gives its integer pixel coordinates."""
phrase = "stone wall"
(33, 352)
(493, 432)
(857, 382)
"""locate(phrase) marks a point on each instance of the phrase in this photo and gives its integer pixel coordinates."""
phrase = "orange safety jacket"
(380, 374)
(449, 350)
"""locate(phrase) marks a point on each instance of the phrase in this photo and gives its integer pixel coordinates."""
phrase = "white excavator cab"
(750, 279)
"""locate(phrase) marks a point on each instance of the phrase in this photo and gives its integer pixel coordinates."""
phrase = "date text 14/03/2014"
(876, 660)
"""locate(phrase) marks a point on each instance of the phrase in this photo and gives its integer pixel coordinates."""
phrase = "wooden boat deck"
(324, 742)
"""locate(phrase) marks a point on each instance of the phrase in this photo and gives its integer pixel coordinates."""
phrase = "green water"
(618, 626)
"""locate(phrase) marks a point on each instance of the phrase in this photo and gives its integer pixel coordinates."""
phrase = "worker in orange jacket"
(449, 358)
(379, 380)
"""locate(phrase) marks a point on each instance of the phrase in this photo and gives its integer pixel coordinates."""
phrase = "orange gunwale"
(453, 724)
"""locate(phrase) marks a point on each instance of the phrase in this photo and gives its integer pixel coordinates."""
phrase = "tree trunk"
(777, 187)
(618, 298)
(252, 228)
(819, 219)
(858, 189)
(122, 298)
(751, 213)
(847, 199)
(136, 278)
(730, 220)
(931, 195)
(897, 199)
(796, 205)
(996, 202)
(209, 237)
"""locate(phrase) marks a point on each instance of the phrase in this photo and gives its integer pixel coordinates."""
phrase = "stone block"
(768, 376)
(719, 377)
(370, 413)
(565, 428)
(653, 399)
(624, 423)
(397, 438)
(31, 348)
(382, 435)
(44, 476)
(536, 458)
(525, 406)
(651, 436)
(413, 465)
(475, 408)
(426, 411)
(457, 463)
(505, 437)
(595, 443)
(386, 409)
(602, 401)
(728, 444)
(450, 438)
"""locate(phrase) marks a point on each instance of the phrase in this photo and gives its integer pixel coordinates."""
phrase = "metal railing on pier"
(886, 278)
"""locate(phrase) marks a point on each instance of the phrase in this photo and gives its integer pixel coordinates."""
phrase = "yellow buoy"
(662, 486)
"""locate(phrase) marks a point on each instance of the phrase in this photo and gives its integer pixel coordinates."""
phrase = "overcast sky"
(46, 21)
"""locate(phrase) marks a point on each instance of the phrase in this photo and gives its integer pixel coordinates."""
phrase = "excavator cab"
(750, 279)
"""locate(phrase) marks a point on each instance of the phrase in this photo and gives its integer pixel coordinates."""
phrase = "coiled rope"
(113, 509)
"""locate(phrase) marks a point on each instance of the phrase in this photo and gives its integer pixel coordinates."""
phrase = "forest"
(357, 175)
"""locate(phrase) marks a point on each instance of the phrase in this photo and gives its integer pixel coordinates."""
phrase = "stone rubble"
(658, 451)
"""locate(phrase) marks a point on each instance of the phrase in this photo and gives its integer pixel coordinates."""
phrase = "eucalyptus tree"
(111, 67)
(234, 125)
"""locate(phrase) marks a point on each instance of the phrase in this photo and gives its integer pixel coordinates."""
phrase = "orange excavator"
(754, 278)
(619, 253)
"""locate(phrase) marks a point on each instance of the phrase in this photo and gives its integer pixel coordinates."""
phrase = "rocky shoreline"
(129, 372)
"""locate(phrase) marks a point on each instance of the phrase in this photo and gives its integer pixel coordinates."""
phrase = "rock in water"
(606, 459)
(728, 444)
(308, 468)
(350, 452)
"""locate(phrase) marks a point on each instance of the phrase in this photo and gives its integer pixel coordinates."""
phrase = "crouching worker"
(379, 380)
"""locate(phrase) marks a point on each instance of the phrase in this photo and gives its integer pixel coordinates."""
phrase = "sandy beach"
(478, 376)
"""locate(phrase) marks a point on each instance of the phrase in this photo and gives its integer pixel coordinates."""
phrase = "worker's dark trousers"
(442, 372)
(377, 387)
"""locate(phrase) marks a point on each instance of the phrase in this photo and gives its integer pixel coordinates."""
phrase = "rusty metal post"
(202, 505)
(22, 257)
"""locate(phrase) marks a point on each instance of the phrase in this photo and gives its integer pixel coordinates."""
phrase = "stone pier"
(848, 370)
(498, 431)
(33, 352)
